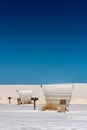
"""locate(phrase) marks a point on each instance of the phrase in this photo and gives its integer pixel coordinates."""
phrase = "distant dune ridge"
(79, 95)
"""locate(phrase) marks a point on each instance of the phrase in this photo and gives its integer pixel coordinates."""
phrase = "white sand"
(79, 95)
(13, 117)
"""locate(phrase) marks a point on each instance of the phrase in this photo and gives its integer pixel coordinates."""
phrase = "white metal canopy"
(55, 93)
(25, 95)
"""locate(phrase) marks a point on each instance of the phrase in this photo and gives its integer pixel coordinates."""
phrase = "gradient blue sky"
(43, 41)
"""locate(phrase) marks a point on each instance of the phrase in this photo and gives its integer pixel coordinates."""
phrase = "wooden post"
(62, 105)
(9, 98)
(19, 101)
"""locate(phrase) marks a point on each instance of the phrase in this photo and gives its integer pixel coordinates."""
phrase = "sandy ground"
(13, 117)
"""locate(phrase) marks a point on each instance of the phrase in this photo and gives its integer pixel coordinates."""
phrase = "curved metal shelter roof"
(25, 95)
(55, 93)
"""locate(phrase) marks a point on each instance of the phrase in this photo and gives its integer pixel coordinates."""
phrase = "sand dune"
(79, 95)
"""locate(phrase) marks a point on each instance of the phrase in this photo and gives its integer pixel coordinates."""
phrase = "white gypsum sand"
(79, 95)
(13, 117)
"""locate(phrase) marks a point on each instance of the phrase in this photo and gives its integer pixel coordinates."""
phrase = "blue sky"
(43, 41)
